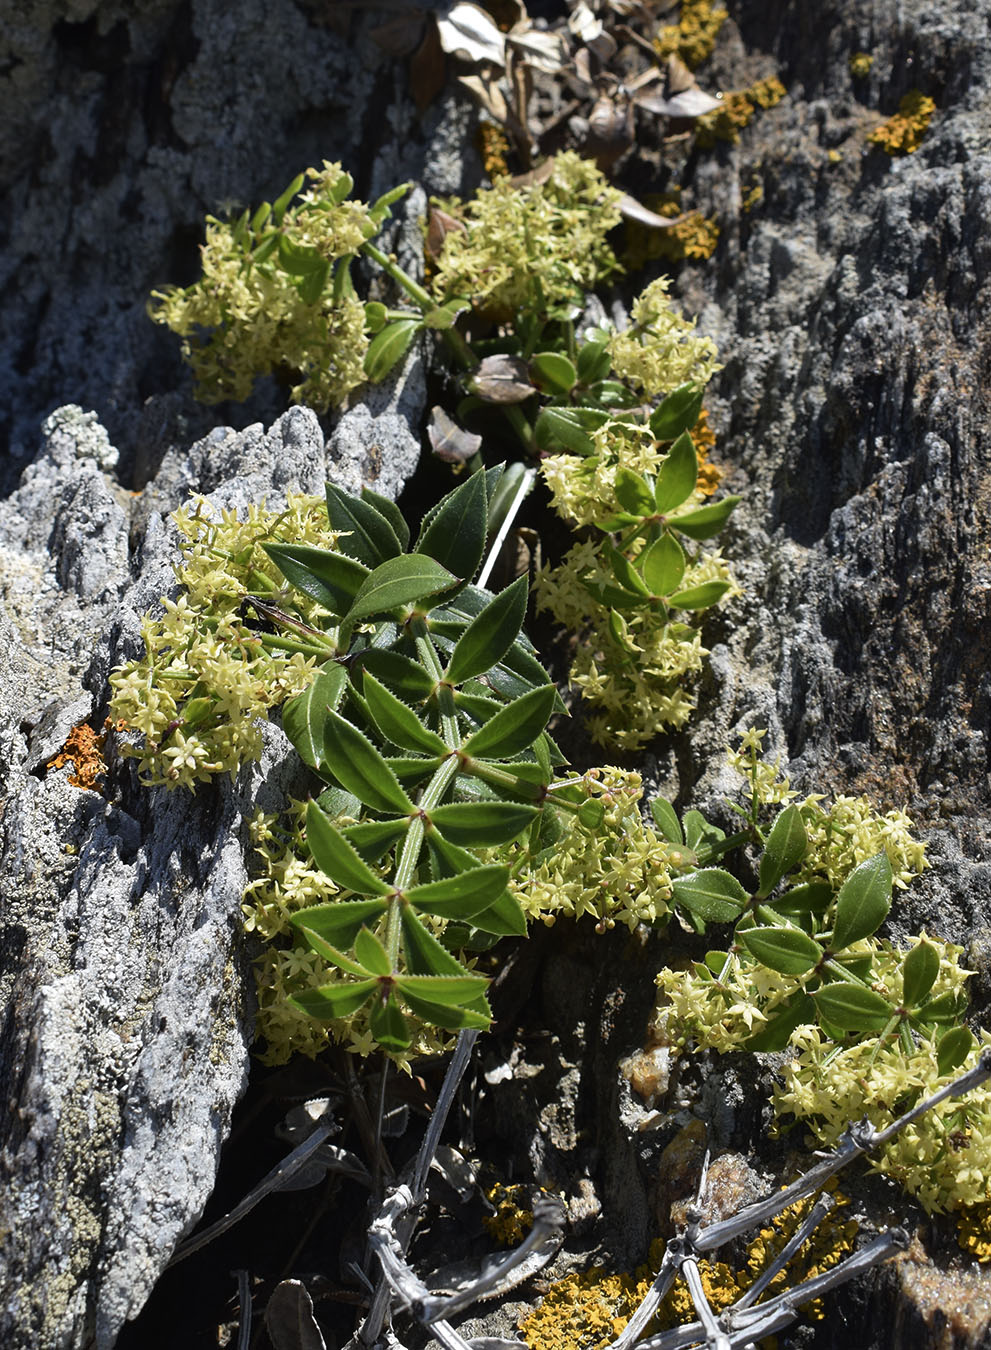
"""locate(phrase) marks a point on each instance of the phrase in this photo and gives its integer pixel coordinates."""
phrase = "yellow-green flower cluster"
(943, 1159)
(197, 695)
(244, 317)
(768, 785)
(661, 349)
(615, 872)
(583, 487)
(539, 246)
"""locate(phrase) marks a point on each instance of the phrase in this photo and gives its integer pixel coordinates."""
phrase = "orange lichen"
(736, 112)
(493, 146)
(974, 1231)
(693, 236)
(83, 748)
(511, 1221)
(903, 133)
(693, 37)
(705, 439)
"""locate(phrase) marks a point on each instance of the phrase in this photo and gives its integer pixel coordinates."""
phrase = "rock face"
(849, 300)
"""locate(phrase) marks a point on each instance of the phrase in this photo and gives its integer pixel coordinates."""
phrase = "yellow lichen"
(511, 1221)
(493, 146)
(695, 236)
(736, 112)
(693, 37)
(860, 65)
(83, 749)
(903, 133)
(974, 1232)
(705, 440)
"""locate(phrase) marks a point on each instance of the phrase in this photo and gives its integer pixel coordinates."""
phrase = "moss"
(737, 111)
(903, 133)
(693, 37)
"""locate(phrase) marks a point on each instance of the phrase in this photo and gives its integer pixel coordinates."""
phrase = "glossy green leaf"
(380, 208)
(568, 428)
(953, 1048)
(776, 1032)
(388, 347)
(700, 834)
(594, 359)
(454, 532)
(403, 676)
(333, 954)
(304, 717)
(699, 597)
(851, 1007)
(863, 902)
(812, 897)
(358, 766)
(413, 769)
(677, 476)
(553, 373)
(663, 565)
(481, 824)
(398, 581)
(446, 991)
(370, 952)
(334, 1000)
(368, 535)
(612, 394)
(375, 316)
(330, 578)
(666, 820)
(503, 919)
(338, 922)
(624, 571)
(614, 597)
(592, 813)
(450, 1019)
(786, 846)
(463, 896)
(372, 839)
(312, 286)
(677, 413)
(919, 971)
(388, 508)
(297, 259)
(706, 521)
(946, 1008)
(514, 727)
(490, 634)
(424, 954)
(389, 1026)
(336, 858)
(399, 723)
(787, 950)
(712, 894)
(281, 203)
(632, 492)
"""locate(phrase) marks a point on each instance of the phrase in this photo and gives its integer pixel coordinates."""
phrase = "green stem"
(389, 265)
(410, 854)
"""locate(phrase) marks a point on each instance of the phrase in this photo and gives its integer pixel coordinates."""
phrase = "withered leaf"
(427, 69)
(610, 131)
(681, 98)
(487, 90)
(289, 1318)
(449, 441)
(502, 379)
(546, 51)
(400, 36)
(633, 210)
(439, 226)
(467, 31)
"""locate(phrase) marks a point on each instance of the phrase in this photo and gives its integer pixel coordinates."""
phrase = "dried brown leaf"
(543, 50)
(468, 32)
(631, 209)
(289, 1318)
(427, 69)
(449, 441)
(439, 226)
(401, 36)
(486, 89)
(502, 379)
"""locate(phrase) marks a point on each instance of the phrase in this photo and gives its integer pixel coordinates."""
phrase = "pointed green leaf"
(388, 347)
(851, 1007)
(312, 286)
(450, 1019)
(711, 894)
(389, 1026)
(334, 1000)
(424, 954)
(447, 859)
(375, 316)
(863, 902)
(632, 492)
(787, 950)
(677, 476)
(666, 820)
(699, 597)
(446, 991)
(490, 634)
(331, 953)
(388, 508)
(304, 716)
(398, 581)
(553, 373)
(624, 571)
(373, 838)
(399, 723)
(568, 428)
(919, 971)
(369, 535)
(514, 727)
(463, 896)
(414, 769)
(946, 1008)
(297, 259)
(786, 846)
(339, 921)
(330, 578)
(358, 766)
(403, 676)
(706, 521)
(700, 834)
(677, 413)
(531, 783)
(336, 858)
(776, 1032)
(663, 565)
(481, 824)
(281, 203)
(504, 919)
(594, 359)
(454, 533)
(812, 897)
(370, 952)
(954, 1047)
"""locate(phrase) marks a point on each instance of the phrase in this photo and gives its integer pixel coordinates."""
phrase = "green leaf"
(297, 260)
(463, 896)
(330, 578)
(514, 727)
(403, 676)
(851, 1007)
(380, 208)
(334, 1000)
(373, 838)
(632, 492)
(414, 769)
(919, 971)
(370, 952)
(787, 950)
(624, 571)
(786, 846)
(424, 954)
(490, 634)
(568, 428)
(776, 1032)
(699, 597)
(358, 766)
(863, 902)
(663, 565)
(338, 922)
(481, 824)
(392, 513)
(454, 532)
(553, 373)
(700, 834)
(336, 858)
(948, 1007)
(369, 535)
(677, 476)
(389, 1026)
(677, 413)
(375, 316)
(450, 1019)
(446, 991)
(953, 1048)
(398, 581)
(303, 717)
(594, 359)
(312, 286)
(591, 813)
(388, 347)
(503, 919)
(399, 723)
(666, 820)
(261, 217)
(706, 521)
(712, 894)
(812, 897)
